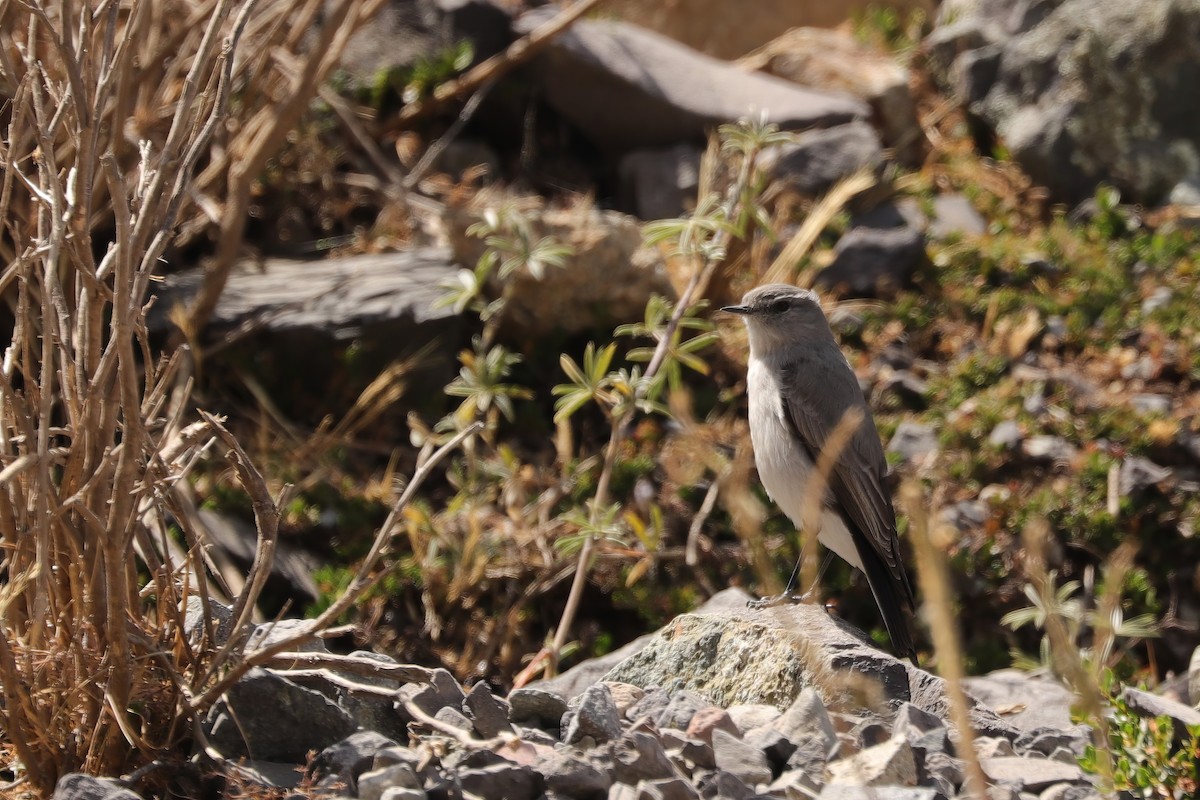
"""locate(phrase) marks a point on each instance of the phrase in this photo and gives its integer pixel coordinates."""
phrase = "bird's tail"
(895, 600)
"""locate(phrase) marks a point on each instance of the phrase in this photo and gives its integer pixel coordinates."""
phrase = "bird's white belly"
(783, 465)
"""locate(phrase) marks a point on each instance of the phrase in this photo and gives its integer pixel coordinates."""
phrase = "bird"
(800, 385)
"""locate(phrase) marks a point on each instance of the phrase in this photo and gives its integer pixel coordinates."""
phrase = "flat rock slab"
(1029, 774)
(626, 87)
(336, 296)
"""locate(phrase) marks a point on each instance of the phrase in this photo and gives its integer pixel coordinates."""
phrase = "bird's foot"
(780, 599)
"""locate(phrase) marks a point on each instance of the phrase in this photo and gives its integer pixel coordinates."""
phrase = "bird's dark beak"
(743, 310)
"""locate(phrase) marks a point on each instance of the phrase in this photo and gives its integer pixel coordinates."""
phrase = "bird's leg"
(788, 595)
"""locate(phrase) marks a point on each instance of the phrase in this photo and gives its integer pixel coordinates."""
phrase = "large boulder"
(627, 88)
(1081, 91)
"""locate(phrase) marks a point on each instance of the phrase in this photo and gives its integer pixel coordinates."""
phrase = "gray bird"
(800, 385)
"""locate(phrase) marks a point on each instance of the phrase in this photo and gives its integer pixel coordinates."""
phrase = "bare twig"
(498, 65)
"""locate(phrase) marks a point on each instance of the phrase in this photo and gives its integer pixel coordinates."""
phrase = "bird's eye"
(777, 306)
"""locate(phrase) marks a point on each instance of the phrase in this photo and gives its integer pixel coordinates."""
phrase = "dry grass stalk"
(939, 611)
(109, 111)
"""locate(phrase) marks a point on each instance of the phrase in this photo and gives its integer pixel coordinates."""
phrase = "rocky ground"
(724, 703)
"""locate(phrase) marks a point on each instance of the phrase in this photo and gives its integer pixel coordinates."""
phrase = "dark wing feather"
(857, 482)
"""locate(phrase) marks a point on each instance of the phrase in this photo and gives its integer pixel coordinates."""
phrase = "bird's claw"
(779, 600)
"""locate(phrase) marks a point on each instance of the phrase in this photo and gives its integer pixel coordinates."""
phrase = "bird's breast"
(783, 464)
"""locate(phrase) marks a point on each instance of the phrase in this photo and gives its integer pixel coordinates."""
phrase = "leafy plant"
(1146, 759)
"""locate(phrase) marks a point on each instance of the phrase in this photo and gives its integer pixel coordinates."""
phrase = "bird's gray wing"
(816, 393)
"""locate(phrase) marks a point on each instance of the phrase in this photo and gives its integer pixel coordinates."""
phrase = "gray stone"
(1070, 791)
(1151, 705)
(1185, 193)
(1151, 403)
(741, 759)
(723, 785)
(1193, 679)
(682, 707)
(507, 780)
(269, 633)
(77, 786)
(1006, 435)
(1159, 298)
(797, 783)
(921, 729)
(453, 717)
(807, 715)
(372, 785)
(667, 789)
(1028, 702)
(1139, 474)
(597, 717)
(1029, 774)
(1051, 449)
(534, 704)
(299, 720)
(887, 764)
(904, 385)
(914, 442)
(873, 262)
(625, 87)
(351, 757)
(440, 692)
(945, 766)
(953, 215)
(569, 774)
(820, 158)
(840, 791)
(748, 716)
(993, 747)
(401, 793)
(221, 620)
(810, 752)
(660, 183)
(1093, 92)
(639, 756)
(488, 713)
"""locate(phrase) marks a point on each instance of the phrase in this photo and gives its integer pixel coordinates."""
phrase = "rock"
(1151, 705)
(1193, 678)
(820, 158)
(1083, 91)
(351, 757)
(838, 791)
(1070, 791)
(1029, 774)
(454, 718)
(400, 793)
(745, 761)
(888, 764)
(660, 183)
(921, 729)
(510, 781)
(639, 756)
(402, 34)
(538, 705)
(77, 786)
(1051, 449)
(1046, 741)
(441, 691)
(1139, 474)
(707, 720)
(905, 386)
(1186, 192)
(1006, 435)
(1159, 298)
(596, 716)
(836, 60)
(569, 774)
(607, 280)
(220, 618)
(667, 789)
(807, 716)
(873, 262)
(626, 88)
(797, 783)
(748, 716)
(488, 713)
(373, 784)
(679, 711)
(914, 442)
(723, 785)
(953, 215)
(1151, 403)
(299, 720)
(966, 515)
(993, 747)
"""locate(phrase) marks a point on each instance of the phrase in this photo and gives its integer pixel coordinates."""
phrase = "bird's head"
(779, 315)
